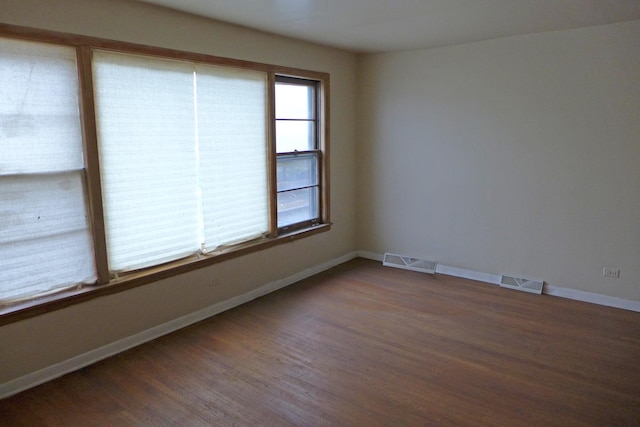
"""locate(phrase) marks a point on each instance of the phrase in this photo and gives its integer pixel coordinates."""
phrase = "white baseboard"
(591, 297)
(548, 289)
(370, 255)
(54, 371)
(51, 372)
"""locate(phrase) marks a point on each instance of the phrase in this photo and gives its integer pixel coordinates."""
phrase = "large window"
(160, 162)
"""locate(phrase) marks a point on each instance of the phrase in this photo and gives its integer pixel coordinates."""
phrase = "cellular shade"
(145, 112)
(183, 156)
(232, 131)
(45, 242)
(39, 113)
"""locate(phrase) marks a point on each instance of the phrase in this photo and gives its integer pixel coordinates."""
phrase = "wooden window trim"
(106, 286)
(45, 304)
(321, 115)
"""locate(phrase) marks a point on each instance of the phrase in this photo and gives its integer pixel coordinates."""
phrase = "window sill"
(45, 304)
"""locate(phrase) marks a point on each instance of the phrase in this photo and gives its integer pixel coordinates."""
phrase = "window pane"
(294, 101)
(297, 206)
(145, 112)
(39, 113)
(297, 172)
(232, 129)
(294, 136)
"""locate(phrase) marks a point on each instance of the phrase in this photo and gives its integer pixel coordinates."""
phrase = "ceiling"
(392, 25)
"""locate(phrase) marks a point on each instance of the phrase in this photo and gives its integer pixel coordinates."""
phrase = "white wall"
(517, 155)
(39, 342)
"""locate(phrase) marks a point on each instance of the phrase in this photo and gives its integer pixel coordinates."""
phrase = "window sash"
(298, 202)
(45, 243)
(297, 136)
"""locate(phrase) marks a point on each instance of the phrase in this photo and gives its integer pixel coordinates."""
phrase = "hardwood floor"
(366, 345)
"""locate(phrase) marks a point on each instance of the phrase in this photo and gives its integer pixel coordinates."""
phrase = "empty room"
(320, 212)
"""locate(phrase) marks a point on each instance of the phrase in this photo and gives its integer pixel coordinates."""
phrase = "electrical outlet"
(611, 272)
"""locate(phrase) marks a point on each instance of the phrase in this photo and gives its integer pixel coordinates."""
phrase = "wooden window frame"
(316, 150)
(107, 285)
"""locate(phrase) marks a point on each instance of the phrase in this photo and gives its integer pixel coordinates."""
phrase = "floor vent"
(519, 284)
(408, 263)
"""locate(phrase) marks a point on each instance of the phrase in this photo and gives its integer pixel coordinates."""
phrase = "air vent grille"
(520, 284)
(409, 263)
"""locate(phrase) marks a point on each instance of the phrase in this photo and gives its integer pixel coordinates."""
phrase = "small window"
(298, 153)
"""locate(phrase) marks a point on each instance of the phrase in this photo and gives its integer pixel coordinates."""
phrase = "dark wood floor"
(366, 345)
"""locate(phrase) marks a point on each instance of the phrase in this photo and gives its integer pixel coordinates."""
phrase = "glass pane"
(145, 112)
(294, 101)
(297, 172)
(295, 136)
(39, 112)
(232, 129)
(297, 206)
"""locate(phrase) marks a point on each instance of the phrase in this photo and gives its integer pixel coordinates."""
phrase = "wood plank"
(364, 344)
(92, 161)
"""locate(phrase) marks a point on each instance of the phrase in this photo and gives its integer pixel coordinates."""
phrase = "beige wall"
(516, 155)
(36, 343)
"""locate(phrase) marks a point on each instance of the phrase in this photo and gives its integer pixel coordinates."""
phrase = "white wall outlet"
(611, 272)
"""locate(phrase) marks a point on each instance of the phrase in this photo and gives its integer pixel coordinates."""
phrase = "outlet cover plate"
(611, 272)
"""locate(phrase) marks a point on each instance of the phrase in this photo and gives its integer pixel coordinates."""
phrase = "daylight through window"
(298, 152)
(161, 159)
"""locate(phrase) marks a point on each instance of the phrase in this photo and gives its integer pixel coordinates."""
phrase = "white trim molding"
(49, 373)
(591, 297)
(548, 289)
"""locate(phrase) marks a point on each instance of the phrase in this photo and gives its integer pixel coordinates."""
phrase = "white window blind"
(232, 130)
(183, 157)
(45, 242)
(145, 112)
